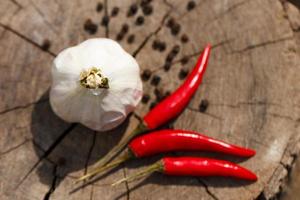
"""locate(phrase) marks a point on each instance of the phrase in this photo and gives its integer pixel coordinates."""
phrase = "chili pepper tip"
(251, 152)
(248, 175)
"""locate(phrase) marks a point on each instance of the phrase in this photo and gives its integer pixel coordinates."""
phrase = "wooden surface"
(251, 84)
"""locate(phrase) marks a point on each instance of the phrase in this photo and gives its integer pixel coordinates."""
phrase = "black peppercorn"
(130, 38)
(167, 66)
(170, 57)
(132, 10)
(139, 20)
(155, 44)
(119, 36)
(147, 9)
(170, 22)
(90, 27)
(175, 49)
(158, 45)
(114, 11)
(155, 80)
(99, 7)
(203, 105)
(145, 98)
(125, 28)
(46, 45)
(159, 94)
(183, 73)
(191, 5)
(184, 38)
(184, 60)
(146, 75)
(175, 29)
(161, 46)
(105, 21)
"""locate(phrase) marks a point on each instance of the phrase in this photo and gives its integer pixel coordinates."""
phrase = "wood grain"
(252, 85)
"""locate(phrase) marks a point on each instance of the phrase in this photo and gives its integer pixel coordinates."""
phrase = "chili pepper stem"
(158, 166)
(128, 155)
(117, 149)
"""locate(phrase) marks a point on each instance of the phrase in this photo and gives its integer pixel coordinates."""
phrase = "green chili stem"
(100, 165)
(158, 166)
(98, 170)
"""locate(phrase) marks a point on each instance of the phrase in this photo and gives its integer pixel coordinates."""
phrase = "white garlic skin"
(100, 109)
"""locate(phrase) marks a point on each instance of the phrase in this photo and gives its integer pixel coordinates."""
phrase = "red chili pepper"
(175, 140)
(190, 166)
(172, 140)
(168, 109)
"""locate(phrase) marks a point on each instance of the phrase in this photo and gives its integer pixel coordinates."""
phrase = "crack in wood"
(260, 116)
(168, 4)
(250, 103)
(230, 9)
(259, 103)
(92, 192)
(253, 46)
(24, 106)
(138, 117)
(283, 165)
(205, 113)
(197, 53)
(53, 185)
(17, 4)
(150, 35)
(282, 116)
(211, 194)
(48, 151)
(43, 17)
(27, 39)
(183, 15)
(19, 7)
(89, 154)
(15, 147)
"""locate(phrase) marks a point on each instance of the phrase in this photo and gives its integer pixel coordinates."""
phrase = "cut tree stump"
(252, 86)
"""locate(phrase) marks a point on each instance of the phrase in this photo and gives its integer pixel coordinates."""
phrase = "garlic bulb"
(95, 83)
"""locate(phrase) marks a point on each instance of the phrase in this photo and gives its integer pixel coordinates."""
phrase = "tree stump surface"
(251, 85)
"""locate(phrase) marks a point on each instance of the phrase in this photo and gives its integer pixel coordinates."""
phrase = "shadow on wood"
(69, 147)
